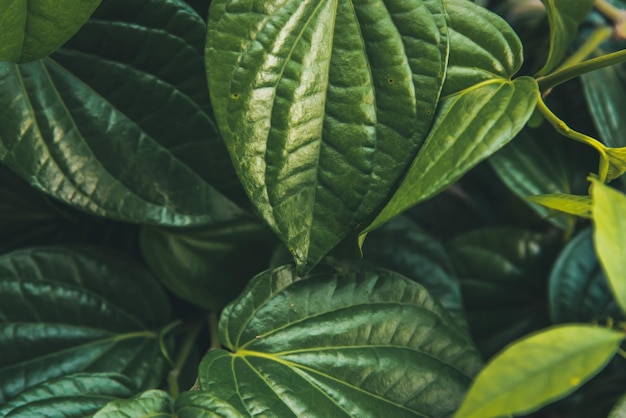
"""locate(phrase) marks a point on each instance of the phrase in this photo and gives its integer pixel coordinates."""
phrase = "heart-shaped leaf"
(323, 105)
(34, 29)
(350, 342)
(68, 310)
(564, 16)
(578, 289)
(74, 396)
(70, 127)
(149, 404)
(609, 207)
(538, 369)
(203, 265)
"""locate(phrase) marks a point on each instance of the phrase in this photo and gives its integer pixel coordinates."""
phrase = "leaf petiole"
(181, 358)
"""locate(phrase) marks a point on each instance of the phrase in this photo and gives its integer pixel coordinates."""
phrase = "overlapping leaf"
(69, 310)
(149, 404)
(34, 29)
(482, 111)
(344, 343)
(323, 104)
(119, 118)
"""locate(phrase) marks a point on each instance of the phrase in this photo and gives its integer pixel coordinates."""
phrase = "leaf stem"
(181, 358)
(213, 329)
(562, 128)
(614, 14)
(594, 40)
(550, 81)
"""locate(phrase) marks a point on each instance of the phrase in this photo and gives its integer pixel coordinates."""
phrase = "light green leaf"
(347, 342)
(578, 290)
(323, 105)
(609, 207)
(564, 16)
(204, 265)
(470, 126)
(567, 203)
(67, 310)
(33, 29)
(74, 396)
(150, 404)
(617, 162)
(539, 369)
(70, 127)
(619, 410)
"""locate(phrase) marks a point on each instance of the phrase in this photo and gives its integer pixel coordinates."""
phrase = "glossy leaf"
(201, 404)
(567, 203)
(609, 207)
(578, 289)
(323, 106)
(34, 29)
(619, 410)
(67, 310)
(150, 404)
(204, 265)
(73, 396)
(538, 369)
(70, 127)
(503, 272)
(346, 342)
(564, 16)
(469, 127)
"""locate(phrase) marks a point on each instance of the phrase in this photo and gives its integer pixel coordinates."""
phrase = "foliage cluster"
(316, 208)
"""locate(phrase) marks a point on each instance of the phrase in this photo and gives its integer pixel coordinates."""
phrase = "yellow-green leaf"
(563, 202)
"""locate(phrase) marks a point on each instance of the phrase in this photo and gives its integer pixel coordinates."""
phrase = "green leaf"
(204, 265)
(469, 127)
(564, 16)
(34, 29)
(200, 404)
(348, 342)
(617, 162)
(323, 105)
(578, 289)
(539, 369)
(609, 207)
(71, 129)
(619, 410)
(66, 310)
(150, 404)
(503, 272)
(74, 396)
(567, 203)
(482, 47)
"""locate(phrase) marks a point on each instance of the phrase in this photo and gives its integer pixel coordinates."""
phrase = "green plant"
(337, 152)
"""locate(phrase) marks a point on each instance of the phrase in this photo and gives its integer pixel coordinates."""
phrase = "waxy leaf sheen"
(345, 342)
(323, 105)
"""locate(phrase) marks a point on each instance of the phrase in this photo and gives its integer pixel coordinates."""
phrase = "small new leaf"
(563, 202)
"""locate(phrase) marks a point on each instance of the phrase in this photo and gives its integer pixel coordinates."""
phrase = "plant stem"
(183, 354)
(614, 14)
(559, 77)
(213, 329)
(562, 128)
(594, 40)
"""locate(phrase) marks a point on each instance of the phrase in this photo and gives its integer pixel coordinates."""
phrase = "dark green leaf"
(73, 396)
(503, 273)
(579, 291)
(204, 265)
(149, 404)
(200, 404)
(68, 310)
(470, 126)
(350, 342)
(619, 410)
(33, 29)
(564, 16)
(539, 369)
(323, 106)
(70, 127)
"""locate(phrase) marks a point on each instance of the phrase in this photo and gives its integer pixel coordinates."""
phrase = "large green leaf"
(30, 30)
(503, 272)
(347, 342)
(469, 127)
(564, 16)
(149, 404)
(538, 369)
(116, 121)
(67, 310)
(609, 207)
(201, 404)
(323, 104)
(579, 291)
(204, 265)
(73, 396)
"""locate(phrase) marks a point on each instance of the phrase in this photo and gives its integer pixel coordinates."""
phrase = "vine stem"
(181, 358)
(614, 14)
(562, 128)
(213, 329)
